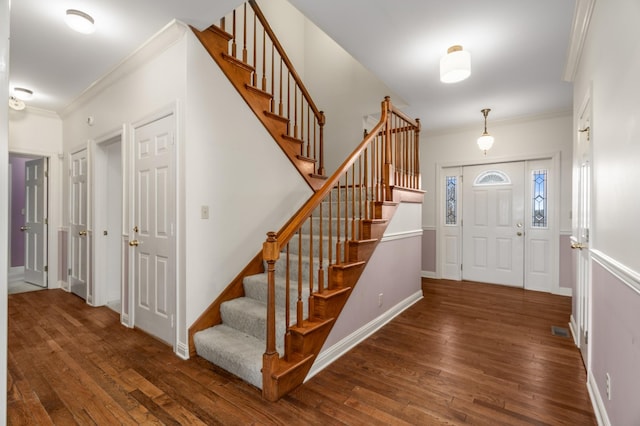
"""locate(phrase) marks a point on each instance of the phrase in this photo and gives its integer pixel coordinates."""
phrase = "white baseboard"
(182, 350)
(15, 273)
(328, 356)
(563, 291)
(429, 274)
(573, 326)
(597, 402)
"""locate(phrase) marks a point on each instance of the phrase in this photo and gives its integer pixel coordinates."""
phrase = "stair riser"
(256, 288)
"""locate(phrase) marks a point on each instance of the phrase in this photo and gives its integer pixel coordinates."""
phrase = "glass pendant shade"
(485, 142)
(79, 21)
(455, 66)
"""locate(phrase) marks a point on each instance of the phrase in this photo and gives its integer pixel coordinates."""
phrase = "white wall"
(609, 70)
(232, 165)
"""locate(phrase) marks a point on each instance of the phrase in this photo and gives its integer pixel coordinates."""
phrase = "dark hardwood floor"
(467, 353)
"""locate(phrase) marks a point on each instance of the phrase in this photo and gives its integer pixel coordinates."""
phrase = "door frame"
(129, 219)
(554, 157)
(98, 205)
(55, 163)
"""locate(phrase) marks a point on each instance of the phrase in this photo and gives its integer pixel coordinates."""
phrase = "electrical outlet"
(204, 212)
(608, 384)
(380, 299)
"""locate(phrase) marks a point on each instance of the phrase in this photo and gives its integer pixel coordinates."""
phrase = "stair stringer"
(216, 42)
(304, 343)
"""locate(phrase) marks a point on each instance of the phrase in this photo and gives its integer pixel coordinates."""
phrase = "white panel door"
(153, 242)
(493, 222)
(35, 227)
(78, 245)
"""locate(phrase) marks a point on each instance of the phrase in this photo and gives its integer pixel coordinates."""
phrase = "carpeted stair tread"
(249, 316)
(236, 352)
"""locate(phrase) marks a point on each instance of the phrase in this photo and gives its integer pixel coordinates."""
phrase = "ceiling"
(518, 49)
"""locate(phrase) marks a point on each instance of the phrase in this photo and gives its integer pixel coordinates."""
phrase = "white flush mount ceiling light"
(485, 141)
(22, 93)
(455, 66)
(15, 103)
(79, 21)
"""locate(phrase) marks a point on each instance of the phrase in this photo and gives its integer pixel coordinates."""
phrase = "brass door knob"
(134, 243)
(519, 234)
(82, 233)
(577, 246)
(24, 228)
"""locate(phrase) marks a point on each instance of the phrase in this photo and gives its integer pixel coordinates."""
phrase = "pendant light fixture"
(455, 66)
(485, 141)
(79, 21)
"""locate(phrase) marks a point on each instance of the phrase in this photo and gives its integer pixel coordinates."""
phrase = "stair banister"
(298, 81)
(395, 132)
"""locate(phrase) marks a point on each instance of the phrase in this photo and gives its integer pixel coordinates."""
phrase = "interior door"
(78, 245)
(493, 224)
(581, 237)
(153, 237)
(35, 227)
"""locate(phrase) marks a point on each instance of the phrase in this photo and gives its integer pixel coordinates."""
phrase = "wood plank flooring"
(467, 353)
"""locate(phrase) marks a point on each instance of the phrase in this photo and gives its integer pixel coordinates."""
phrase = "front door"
(78, 245)
(35, 227)
(493, 224)
(153, 239)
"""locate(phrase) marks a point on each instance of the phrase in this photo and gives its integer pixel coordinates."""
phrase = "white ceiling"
(518, 48)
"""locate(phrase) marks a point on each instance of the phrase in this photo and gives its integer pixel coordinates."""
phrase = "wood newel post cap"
(270, 250)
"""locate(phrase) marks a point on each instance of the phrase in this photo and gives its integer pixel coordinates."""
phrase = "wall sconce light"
(485, 141)
(455, 66)
(80, 21)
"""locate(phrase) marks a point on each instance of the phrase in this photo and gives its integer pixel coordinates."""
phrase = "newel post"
(388, 171)
(270, 254)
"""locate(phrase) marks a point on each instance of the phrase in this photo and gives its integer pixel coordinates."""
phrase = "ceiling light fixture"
(80, 21)
(455, 66)
(22, 93)
(15, 103)
(485, 141)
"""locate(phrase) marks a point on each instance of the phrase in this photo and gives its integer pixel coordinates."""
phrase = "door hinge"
(46, 268)
(46, 174)
(46, 221)
(69, 271)
(586, 337)
(461, 266)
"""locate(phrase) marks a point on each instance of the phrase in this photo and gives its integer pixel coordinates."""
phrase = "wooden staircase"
(308, 269)
(265, 78)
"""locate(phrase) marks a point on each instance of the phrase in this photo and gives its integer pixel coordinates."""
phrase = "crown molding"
(157, 44)
(579, 29)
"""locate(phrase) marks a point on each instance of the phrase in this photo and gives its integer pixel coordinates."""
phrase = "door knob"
(24, 228)
(519, 234)
(82, 233)
(577, 246)
(134, 243)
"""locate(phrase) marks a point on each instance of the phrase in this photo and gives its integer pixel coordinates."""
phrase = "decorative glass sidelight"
(539, 209)
(451, 202)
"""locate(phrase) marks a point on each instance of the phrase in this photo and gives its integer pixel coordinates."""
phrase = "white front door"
(35, 227)
(153, 239)
(78, 245)
(493, 224)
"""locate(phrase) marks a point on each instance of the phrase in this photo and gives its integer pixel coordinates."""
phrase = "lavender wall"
(615, 343)
(429, 250)
(17, 204)
(567, 267)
